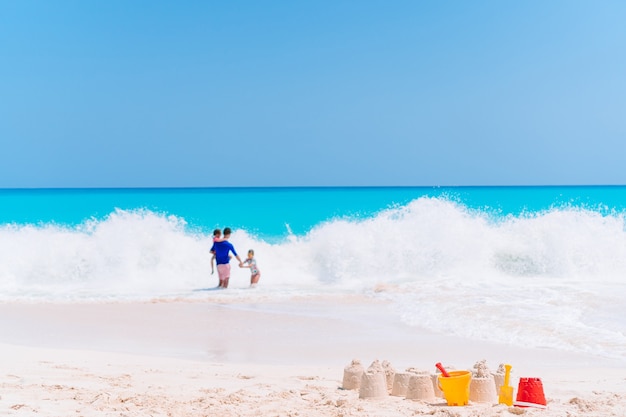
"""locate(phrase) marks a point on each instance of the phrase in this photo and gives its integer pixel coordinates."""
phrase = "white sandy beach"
(214, 358)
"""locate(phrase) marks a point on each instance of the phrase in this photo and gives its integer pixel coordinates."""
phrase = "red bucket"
(530, 393)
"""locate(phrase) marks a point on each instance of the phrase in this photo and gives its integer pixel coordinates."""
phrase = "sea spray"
(545, 278)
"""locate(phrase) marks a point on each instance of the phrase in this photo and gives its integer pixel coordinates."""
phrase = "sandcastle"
(482, 385)
(420, 388)
(390, 373)
(401, 381)
(374, 382)
(498, 377)
(352, 375)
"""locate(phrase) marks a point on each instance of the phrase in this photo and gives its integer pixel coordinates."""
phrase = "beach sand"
(231, 358)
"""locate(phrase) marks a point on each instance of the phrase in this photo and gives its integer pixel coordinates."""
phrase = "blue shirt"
(222, 249)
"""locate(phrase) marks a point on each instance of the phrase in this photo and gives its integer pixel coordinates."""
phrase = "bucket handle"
(439, 383)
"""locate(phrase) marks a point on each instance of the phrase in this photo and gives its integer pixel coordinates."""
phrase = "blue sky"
(311, 93)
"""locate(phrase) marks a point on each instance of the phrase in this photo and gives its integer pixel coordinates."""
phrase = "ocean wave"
(545, 279)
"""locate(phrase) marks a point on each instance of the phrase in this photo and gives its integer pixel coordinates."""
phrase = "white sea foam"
(553, 279)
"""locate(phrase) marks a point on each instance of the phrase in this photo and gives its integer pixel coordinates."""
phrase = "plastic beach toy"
(506, 391)
(456, 387)
(442, 369)
(530, 393)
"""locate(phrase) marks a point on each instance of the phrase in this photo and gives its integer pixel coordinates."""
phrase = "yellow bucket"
(456, 387)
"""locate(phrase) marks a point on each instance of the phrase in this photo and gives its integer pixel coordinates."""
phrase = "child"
(217, 237)
(255, 274)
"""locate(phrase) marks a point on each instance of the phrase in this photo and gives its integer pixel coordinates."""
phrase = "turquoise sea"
(542, 266)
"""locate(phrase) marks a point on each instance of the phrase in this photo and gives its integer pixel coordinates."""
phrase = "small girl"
(217, 237)
(255, 274)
